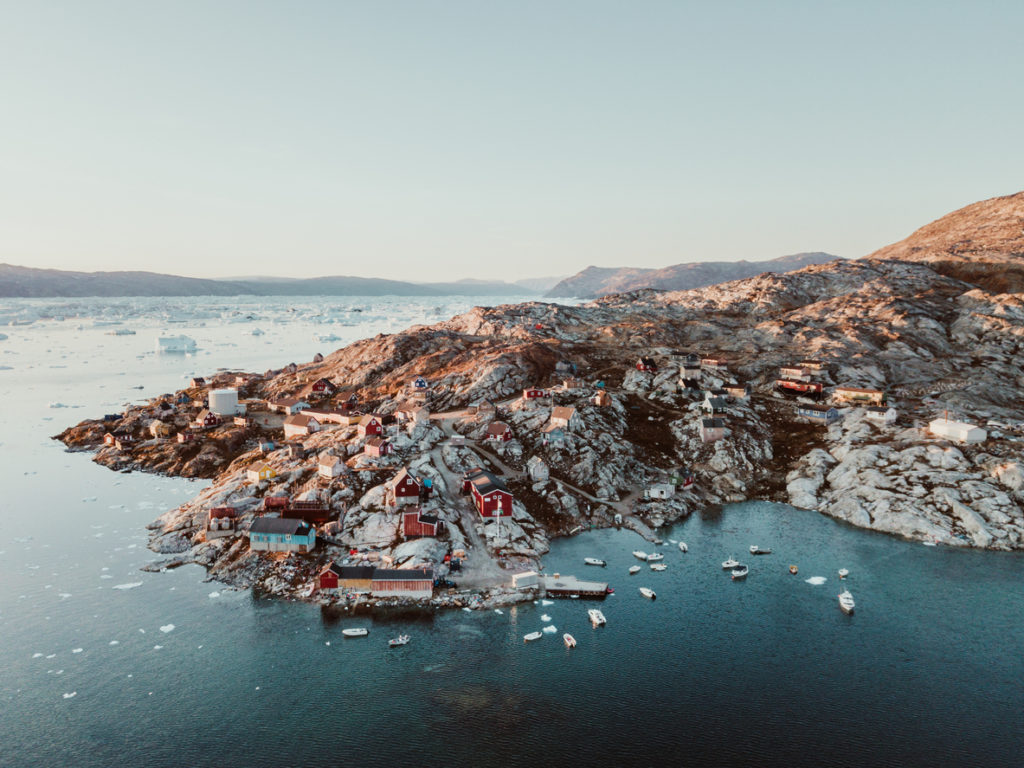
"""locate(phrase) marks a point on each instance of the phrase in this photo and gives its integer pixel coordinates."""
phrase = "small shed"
(881, 414)
(417, 524)
(537, 469)
(533, 393)
(646, 364)
(259, 472)
(712, 430)
(660, 491)
(329, 467)
(957, 430)
(415, 583)
(352, 578)
(601, 399)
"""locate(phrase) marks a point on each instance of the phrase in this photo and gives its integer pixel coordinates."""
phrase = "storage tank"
(224, 402)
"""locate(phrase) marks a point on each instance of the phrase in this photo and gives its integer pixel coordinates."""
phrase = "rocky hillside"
(935, 345)
(982, 243)
(594, 282)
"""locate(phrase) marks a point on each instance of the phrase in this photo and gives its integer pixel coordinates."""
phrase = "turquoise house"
(281, 534)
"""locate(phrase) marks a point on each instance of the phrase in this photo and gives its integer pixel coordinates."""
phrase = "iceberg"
(175, 344)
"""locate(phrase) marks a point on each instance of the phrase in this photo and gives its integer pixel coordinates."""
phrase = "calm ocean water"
(172, 670)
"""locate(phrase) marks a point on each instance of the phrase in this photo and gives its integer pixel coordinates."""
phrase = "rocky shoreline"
(605, 442)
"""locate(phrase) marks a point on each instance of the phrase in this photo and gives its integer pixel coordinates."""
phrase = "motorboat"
(846, 601)
(658, 566)
(570, 641)
(655, 557)
(596, 617)
(843, 573)
(648, 593)
(634, 569)
(730, 563)
(357, 632)
(793, 569)
(740, 572)
(640, 555)
(532, 636)
(397, 641)
(683, 547)
(593, 561)
(756, 550)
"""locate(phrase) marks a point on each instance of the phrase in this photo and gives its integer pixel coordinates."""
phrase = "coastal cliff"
(606, 441)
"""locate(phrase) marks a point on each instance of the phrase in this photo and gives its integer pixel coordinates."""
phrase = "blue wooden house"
(823, 414)
(281, 534)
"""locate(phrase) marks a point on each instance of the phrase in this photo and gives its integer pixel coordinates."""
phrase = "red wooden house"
(186, 436)
(207, 419)
(355, 577)
(415, 524)
(404, 488)
(803, 387)
(532, 393)
(490, 496)
(499, 431)
(323, 387)
(310, 510)
(370, 426)
(646, 364)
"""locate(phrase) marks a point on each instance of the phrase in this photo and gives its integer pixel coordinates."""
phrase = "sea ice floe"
(64, 595)
(545, 617)
(214, 594)
(546, 602)
(77, 650)
(550, 629)
(37, 655)
(816, 580)
(167, 628)
(499, 611)
(70, 695)
(157, 647)
(129, 585)
(114, 642)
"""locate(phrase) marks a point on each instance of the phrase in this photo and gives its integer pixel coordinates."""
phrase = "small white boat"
(634, 569)
(756, 550)
(843, 573)
(740, 572)
(357, 632)
(730, 563)
(638, 554)
(593, 561)
(846, 601)
(794, 570)
(648, 593)
(653, 558)
(596, 617)
(683, 547)
(658, 566)
(570, 641)
(532, 636)
(397, 641)
(930, 543)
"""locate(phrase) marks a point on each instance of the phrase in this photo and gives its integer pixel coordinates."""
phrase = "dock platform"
(558, 585)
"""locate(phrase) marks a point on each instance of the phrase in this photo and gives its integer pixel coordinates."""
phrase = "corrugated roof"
(279, 525)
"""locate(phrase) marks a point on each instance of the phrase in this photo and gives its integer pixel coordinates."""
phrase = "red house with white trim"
(323, 387)
(646, 364)
(499, 431)
(532, 393)
(371, 426)
(404, 488)
(490, 496)
(378, 446)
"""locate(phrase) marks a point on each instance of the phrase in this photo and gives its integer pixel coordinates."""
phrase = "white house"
(300, 425)
(661, 491)
(329, 466)
(957, 430)
(881, 414)
(537, 469)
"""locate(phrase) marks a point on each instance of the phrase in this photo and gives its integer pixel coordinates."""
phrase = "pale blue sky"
(438, 140)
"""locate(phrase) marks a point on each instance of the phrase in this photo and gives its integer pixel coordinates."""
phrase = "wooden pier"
(558, 585)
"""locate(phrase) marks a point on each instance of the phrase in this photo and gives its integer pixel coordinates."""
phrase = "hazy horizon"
(438, 142)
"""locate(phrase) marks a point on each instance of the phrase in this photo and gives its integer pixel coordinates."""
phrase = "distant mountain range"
(28, 282)
(594, 282)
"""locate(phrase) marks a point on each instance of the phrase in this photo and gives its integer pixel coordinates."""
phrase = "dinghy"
(634, 569)
(397, 641)
(570, 641)
(653, 558)
(648, 593)
(843, 573)
(357, 632)
(638, 554)
(683, 547)
(740, 572)
(532, 636)
(793, 569)
(593, 561)
(658, 566)
(756, 550)
(730, 564)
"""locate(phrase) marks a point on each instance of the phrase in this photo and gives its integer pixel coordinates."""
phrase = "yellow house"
(158, 428)
(260, 471)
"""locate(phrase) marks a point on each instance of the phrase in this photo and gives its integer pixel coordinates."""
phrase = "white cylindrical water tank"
(224, 402)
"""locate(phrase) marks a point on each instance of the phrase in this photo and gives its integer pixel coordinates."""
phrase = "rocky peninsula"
(635, 409)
